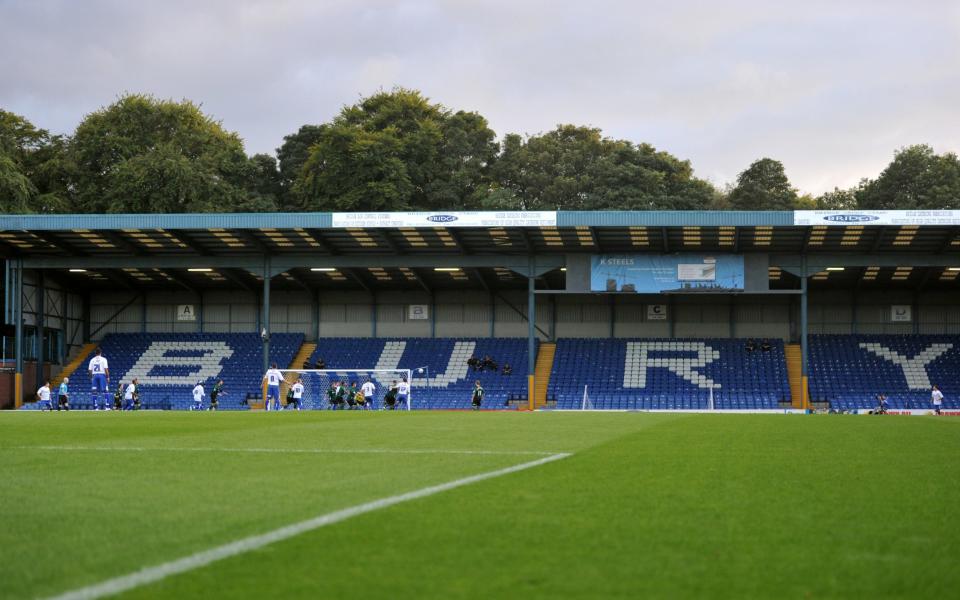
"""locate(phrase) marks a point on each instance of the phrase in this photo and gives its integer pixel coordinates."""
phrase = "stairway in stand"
(82, 355)
(542, 371)
(304, 353)
(794, 359)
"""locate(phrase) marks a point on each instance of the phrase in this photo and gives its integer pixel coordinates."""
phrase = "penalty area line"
(287, 450)
(159, 572)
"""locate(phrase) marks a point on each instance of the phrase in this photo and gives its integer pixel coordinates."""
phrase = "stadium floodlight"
(564, 269)
(953, 268)
(78, 270)
(323, 269)
(200, 270)
(447, 269)
(835, 268)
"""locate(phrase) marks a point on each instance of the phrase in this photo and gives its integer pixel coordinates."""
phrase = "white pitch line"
(286, 450)
(159, 572)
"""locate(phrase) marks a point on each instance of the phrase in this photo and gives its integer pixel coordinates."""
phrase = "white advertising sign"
(697, 272)
(656, 312)
(900, 313)
(186, 312)
(418, 311)
(446, 219)
(842, 218)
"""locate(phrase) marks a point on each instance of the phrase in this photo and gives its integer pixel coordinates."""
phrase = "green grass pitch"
(647, 505)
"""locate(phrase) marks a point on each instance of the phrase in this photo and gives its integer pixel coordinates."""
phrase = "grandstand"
(648, 310)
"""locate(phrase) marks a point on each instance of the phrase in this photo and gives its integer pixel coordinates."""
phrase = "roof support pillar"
(493, 314)
(671, 319)
(433, 314)
(18, 334)
(315, 314)
(373, 313)
(531, 331)
(804, 363)
(265, 319)
(40, 325)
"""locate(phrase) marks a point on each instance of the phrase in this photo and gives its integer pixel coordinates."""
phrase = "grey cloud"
(831, 89)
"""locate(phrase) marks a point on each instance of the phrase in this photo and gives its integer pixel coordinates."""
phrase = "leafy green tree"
(837, 199)
(392, 150)
(917, 178)
(35, 171)
(576, 168)
(354, 170)
(145, 155)
(263, 185)
(763, 186)
(17, 192)
(292, 155)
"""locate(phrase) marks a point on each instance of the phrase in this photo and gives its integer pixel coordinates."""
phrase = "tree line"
(396, 150)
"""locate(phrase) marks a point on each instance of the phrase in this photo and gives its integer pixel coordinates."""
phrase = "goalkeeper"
(390, 398)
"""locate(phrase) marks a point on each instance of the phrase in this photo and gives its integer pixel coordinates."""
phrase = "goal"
(317, 382)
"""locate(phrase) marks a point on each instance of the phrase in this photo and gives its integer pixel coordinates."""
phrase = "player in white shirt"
(368, 390)
(128, 395)
(936, 396)
(273, 379)
(43, 395)
(99, 371)
(403, 389)
(297, 389)
(198, 396)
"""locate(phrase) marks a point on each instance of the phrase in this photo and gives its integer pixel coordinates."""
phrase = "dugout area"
(71, 279)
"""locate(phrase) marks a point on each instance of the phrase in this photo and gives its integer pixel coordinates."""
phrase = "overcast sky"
(829, 88)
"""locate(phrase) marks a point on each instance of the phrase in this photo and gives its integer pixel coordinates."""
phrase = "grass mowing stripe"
(289, 450)
(148, 575)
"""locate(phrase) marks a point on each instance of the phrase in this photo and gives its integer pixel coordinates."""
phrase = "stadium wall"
(468, 314)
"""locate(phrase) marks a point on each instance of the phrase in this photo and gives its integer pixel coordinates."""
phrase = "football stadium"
(462, 404)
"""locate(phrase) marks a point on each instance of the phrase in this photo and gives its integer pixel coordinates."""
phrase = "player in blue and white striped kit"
(273, 378)
(99, 380)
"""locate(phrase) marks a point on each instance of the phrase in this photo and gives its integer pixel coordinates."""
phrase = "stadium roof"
(143, 250)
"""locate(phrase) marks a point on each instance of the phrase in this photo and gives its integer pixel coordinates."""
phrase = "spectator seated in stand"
(507, 369)
(751, 346)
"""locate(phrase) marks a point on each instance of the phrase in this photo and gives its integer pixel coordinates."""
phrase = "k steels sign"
(842, 218)
(446, 219)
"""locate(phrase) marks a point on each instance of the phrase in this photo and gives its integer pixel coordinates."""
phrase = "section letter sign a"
(653, 274)
(186, 312)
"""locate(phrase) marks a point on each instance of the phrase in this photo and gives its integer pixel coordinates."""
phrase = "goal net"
(330, 389)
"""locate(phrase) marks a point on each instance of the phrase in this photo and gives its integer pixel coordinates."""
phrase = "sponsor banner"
(446, 219)
(842, 218)
(917, 412)
(644, 273)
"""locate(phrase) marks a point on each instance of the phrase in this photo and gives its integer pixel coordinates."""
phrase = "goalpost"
(585, 403)
(316, 383)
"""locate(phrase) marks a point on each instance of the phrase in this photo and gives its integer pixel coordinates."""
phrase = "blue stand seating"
(848, 371)
(450, 382)
(668, 374)
(170, 364)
